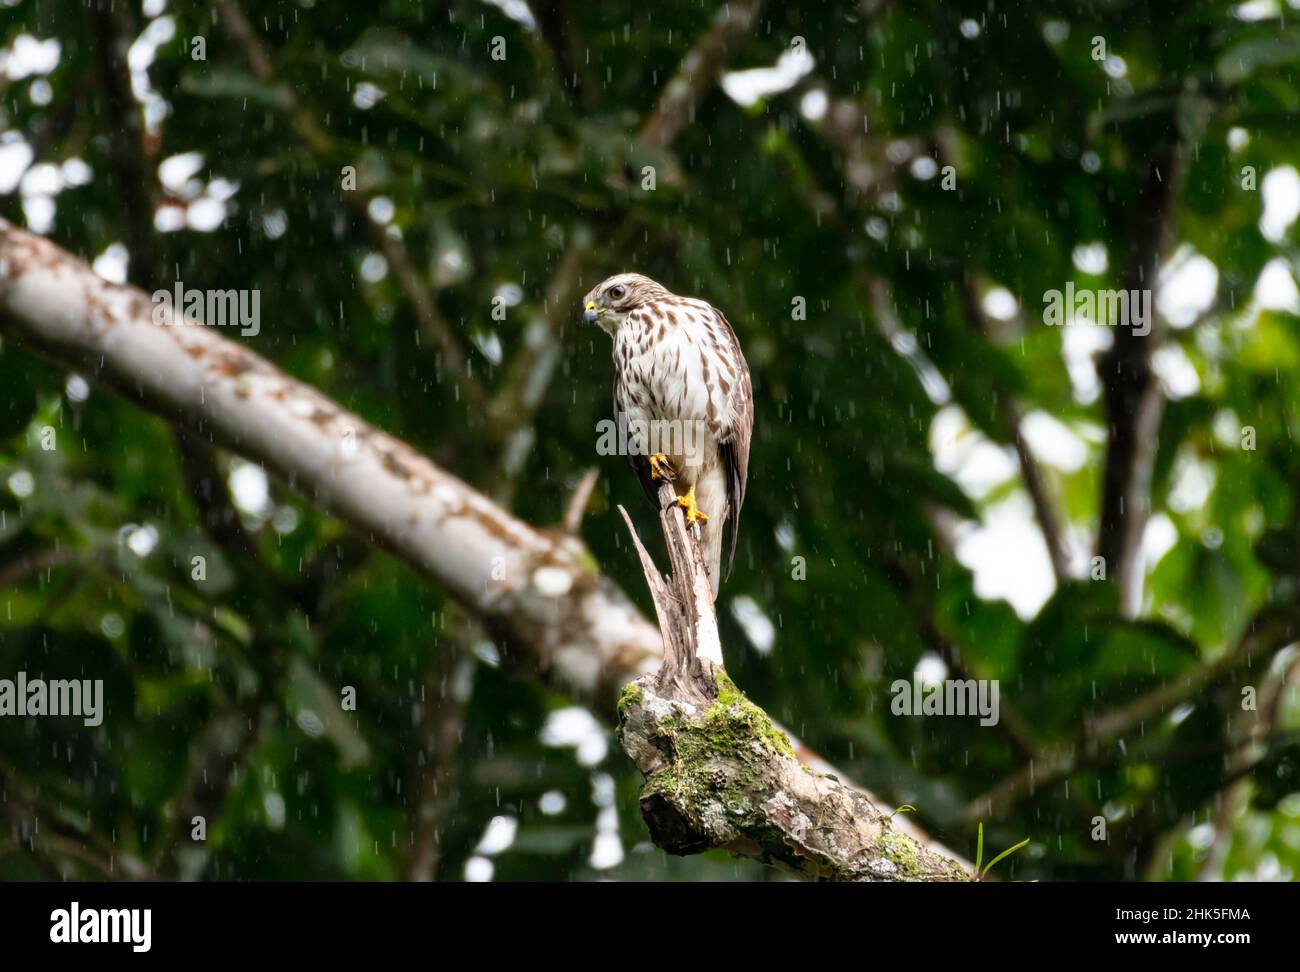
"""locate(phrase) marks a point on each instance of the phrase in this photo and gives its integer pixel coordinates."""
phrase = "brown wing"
(735, 438)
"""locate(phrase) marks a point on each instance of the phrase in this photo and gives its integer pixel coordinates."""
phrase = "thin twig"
(579, 499)
(698, 72)
(21, 567)
(1031, 475)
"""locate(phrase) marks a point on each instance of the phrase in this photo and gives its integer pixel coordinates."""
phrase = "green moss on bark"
(717, 782)
(903, 852)
(733, 705)
(630, 696)
(711, 764)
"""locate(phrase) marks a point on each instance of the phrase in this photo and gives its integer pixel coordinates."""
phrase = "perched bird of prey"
(682, 391)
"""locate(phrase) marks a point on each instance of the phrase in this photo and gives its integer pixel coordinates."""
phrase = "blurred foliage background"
(878, 194)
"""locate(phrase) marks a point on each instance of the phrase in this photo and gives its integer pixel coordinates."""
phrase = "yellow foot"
(693, 514)
(661, 468)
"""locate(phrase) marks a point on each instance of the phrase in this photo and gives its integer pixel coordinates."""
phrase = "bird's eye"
(617, 292)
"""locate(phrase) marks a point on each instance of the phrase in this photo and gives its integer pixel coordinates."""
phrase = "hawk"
(682, 393)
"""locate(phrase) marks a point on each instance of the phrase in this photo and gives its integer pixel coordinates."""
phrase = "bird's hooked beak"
(592, 314)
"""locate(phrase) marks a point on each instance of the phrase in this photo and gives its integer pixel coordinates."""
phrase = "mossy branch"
(719, 773)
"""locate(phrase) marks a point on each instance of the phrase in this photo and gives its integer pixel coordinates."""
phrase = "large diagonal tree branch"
(537, 591)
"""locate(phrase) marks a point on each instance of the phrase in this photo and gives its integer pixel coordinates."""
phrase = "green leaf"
(1006, 853)
(223, 82)
(1242, 60)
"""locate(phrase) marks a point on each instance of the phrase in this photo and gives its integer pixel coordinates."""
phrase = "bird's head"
(615, 297)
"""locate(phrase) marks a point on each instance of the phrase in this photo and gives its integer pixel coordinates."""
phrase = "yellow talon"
(660, 468)
(693, 514)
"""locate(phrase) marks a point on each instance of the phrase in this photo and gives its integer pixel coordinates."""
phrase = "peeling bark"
(538, 592)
